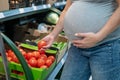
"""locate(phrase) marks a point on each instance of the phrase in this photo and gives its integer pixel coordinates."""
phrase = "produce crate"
(1, 67)
(60, 39)
(18, 73)
(63, 41)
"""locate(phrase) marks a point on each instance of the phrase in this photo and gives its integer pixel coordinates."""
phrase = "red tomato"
(36, 54)
(44, 66)
(43, 56)
(15, 59)
(40, 62)
(52, 58)
(15, 71)
(9, 58)
(29, 55)
(23, 53)
(9, 51)
(33, 62)
(21, 73)
(48, 62)
(25, 56)
(11, 54)
(42, 51)
(41, 44)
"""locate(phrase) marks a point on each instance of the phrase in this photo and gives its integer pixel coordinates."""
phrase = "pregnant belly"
(86, 17)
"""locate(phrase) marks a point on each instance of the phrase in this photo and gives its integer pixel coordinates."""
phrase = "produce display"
(40, 61)
(29, 62)
(36, 59)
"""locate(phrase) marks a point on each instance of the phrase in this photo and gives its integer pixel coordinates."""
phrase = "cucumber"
(59, 46)
(50, 51)
(28, 46)
(64, 45)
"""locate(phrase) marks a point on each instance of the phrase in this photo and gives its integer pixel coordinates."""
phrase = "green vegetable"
(52, 18)
(28, 46)
(63, 45)
(59, 46)
(50, 51)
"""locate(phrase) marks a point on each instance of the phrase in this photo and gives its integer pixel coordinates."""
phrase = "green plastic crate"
(38, 73)
(1, 67)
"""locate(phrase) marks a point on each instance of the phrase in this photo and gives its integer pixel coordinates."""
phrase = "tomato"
(9, 51)
(52, 58)
(32, 62)
(43, 56)
(41, 44)
(44, 66)
(25, 56)
(11, 54)
(15, 59)
(42, 51)
(40, 62)
(48, 62)
(21, 73)
(23, 53)
(36, 54)
(29, 55)
(9, 58)
(14, 71)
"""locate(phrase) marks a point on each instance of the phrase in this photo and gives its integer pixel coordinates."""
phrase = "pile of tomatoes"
(37, 59)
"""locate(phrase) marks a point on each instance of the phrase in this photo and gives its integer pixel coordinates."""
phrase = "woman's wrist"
(53, 34)
(101, 35)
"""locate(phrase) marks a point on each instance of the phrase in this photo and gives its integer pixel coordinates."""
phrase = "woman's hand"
(49, 40)
(88, 40)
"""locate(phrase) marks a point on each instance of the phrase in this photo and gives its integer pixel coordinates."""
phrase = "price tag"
(2, 15)
(62, 61)
(57, 4)
(21, 10)
(34, 7)
(49, 5)
(44, 6)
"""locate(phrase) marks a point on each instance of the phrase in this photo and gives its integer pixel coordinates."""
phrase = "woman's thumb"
(80, 34)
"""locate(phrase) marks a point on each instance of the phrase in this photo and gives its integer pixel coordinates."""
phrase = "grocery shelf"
(21, 12)
(58, 4)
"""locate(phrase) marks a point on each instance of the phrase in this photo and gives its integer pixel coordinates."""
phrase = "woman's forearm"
(111, 25)
(59, 26)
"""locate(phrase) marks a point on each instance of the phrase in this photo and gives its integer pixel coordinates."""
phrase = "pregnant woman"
(93, 28)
